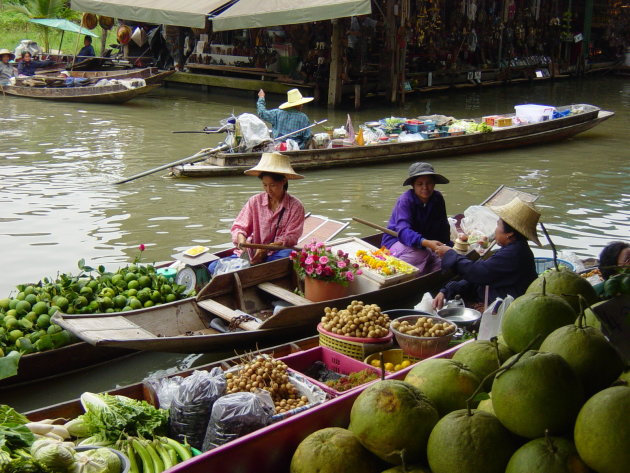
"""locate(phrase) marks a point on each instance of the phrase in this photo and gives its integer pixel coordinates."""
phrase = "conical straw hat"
(294, 98)
(520, 215)
(275, 163)
(6, 51)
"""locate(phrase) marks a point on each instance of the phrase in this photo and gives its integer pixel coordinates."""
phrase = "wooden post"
(334, 80)
(390, 47)
(357, 96)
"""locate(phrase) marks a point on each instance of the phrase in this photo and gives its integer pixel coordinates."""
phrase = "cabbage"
(87, 464)
(55, 456)
(112, 461)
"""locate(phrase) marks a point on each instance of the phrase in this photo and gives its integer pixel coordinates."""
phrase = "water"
(58, 203)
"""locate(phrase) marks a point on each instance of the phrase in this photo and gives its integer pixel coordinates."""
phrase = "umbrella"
(63, 25)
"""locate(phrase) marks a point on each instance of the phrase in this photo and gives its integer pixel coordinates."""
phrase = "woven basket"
(357, 348)
(89, 21)
(106, 22)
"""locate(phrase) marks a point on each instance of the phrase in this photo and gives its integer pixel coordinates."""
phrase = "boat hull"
(226, 164)
(107, 94)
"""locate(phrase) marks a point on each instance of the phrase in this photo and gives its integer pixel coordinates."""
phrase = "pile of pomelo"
(25, 324)
(562, 407)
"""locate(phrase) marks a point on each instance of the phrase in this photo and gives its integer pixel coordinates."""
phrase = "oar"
(378, 227)
(190, 159)
(257, 246)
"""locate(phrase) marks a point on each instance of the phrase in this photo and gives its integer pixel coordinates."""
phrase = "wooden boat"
(281, 437)
(151, 75)
(223, 164)
(90, 94)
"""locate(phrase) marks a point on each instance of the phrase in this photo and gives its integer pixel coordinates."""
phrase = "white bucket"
(532, 113)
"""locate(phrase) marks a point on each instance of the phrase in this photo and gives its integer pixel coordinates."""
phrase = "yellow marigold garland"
(383, 262)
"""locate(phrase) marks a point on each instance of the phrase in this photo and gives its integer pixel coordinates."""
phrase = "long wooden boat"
(585, 117)
(151, 75)
(89, 94)
(252, 451)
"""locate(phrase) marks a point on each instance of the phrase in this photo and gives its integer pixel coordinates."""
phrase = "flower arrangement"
(383, 262)
(318, 261)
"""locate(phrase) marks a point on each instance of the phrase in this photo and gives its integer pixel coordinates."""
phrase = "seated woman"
(419, 218)
(7, 71)
(27, 67)
(509, 271)
(613, 256)
(272, 217)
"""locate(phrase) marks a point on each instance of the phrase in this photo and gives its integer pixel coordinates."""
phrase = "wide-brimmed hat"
(294, 98)
(275, 163)
(6, 51)
(424, 169)
(520, 215)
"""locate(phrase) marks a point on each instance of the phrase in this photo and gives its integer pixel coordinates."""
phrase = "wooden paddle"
(257, 246)
(378, 227)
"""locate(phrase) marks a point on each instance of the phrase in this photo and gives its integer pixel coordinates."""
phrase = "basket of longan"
(356, 331)
(422, 336)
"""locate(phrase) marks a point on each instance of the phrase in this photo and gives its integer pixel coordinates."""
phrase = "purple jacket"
(509, 271)
(415, 221)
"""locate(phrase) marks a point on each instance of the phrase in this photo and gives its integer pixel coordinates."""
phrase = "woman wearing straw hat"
(509, 271)
(419, 218)
(6, 70)
(288, 117)
(271, 217)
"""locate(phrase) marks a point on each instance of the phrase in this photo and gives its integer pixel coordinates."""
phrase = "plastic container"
(394, 356)
(334, 361)
(357, 348)
(533, 113)
(422, 347)
(168, 273)
(543, 264)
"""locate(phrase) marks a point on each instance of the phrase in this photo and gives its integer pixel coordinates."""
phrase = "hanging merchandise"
(106, 22)
(89, 21)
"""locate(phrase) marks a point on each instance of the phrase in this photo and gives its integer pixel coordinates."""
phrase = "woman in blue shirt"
(419, 218)
(509, 271)
(27, 67)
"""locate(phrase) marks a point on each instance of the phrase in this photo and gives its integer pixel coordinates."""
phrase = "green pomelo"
(591, 318)
(40, 308)
(486, 406)
(5, 303)
(483, 357)
(548, 455)
(391, 418)
(447, 383)
(23, 307)
(625, 377)
(531, 315)
(409, 469)
(540, 391)
(592, 357)
(567, 284)
(602, 431)
(463, 442)
(332, 450)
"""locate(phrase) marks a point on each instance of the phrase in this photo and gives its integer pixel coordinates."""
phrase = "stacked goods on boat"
(25, 324)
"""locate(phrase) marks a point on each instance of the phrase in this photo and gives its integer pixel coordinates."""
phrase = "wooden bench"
(283, 293)
(226, 313)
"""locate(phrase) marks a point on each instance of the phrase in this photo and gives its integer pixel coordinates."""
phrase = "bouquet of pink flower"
(319, 262)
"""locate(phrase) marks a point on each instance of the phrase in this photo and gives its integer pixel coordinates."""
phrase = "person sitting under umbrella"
(288, 117)
(27, 67)
(87, 50)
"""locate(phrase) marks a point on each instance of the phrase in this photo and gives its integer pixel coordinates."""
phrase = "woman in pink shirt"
(273, 216)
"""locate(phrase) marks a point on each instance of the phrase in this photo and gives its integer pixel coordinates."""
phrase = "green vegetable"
(113, 417)
(13, 431)
(99, 460)
(55, 456)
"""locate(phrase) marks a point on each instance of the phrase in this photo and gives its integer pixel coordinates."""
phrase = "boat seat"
(283, 293)
(226, 313)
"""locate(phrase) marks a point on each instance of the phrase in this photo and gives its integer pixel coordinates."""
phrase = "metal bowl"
(422, 347)
(460, 315)
(124, 460)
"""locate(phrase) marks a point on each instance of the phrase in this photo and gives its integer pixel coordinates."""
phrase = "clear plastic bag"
(165, 389)
(191, 408)
(253, 130)
(490, 325)
(372, 135)
(237, 414)
(478, 218)
(426, 304)
(405, 137)
(229, 264)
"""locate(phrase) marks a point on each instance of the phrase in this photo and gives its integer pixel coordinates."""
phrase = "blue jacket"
(86, 51)
(28, 68)
(509, 271)
(415, 220)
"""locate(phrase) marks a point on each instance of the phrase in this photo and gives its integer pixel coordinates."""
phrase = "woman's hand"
(438, 302)
(441, 250)
(240, 239)
(259, 256)
(432, 244)
(261, 94)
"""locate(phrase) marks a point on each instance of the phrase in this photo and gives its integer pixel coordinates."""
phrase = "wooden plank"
(334, 78)
(226, 313)
(107, 328)
(233, 82)
(283, 293)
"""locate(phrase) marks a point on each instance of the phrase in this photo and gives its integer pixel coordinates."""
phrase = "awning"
(257, 14)
(191, 13)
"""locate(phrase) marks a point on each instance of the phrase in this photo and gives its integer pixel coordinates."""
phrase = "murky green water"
(58, 204)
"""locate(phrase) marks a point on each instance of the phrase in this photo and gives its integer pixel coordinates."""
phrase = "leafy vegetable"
(112, 417)
(55, 456)
(13, 432)
(9, 364)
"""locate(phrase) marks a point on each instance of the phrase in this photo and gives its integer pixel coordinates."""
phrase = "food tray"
(196, 251)
(334, 361)
(352, 348)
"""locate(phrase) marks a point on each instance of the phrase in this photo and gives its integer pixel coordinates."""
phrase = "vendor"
(273, 217)
(509, 271)
(614, 256)
(6, 70)
(288, 117)
(27, 67)
(419, 218)
(87, 50)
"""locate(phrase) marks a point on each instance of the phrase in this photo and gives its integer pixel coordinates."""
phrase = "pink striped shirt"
(260, 225)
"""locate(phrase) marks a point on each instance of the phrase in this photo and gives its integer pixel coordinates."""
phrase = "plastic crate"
(543, 264)
(354, 349)
(334, 361)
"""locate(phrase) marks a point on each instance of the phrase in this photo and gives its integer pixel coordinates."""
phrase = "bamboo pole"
(376, 226)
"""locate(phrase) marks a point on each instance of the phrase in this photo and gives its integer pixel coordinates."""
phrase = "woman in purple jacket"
(419, 218)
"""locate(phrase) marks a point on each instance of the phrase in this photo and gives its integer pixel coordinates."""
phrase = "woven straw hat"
(6, 51)
(294, 98)
(520, 215)
(276, 163)
(123, 35)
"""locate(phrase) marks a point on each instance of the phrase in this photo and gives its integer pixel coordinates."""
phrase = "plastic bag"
(490, 325)
(191, 408)
(339, 132)
(481, 219)
(372, 135)
(165, 389)
(321, 140)
(253, 130)
(426, 304)
(237, 414)
(405, 137)
(230, 264)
